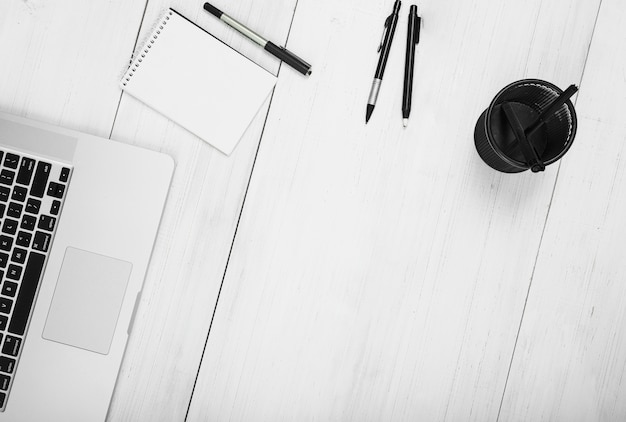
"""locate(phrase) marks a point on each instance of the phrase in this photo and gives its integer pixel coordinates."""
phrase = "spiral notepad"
(197, 81)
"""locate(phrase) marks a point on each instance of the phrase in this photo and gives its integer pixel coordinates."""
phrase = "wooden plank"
(61, 60)
(192, 249)
(570, 360)
(380, 273)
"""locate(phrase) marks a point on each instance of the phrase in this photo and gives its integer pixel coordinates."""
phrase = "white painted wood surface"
(570, 360)
(380, 273)
(376, 273)
(61, 61)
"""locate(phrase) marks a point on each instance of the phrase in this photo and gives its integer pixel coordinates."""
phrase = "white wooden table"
(332, 270)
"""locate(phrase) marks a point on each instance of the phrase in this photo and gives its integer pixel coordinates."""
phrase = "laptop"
(78, 220)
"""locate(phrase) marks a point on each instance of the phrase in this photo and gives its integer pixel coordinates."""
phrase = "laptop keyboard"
(32, 191)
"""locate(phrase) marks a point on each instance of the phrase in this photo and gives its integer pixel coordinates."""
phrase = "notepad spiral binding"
(146, 48)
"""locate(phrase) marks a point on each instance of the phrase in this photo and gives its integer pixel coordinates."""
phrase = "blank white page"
(197, 81)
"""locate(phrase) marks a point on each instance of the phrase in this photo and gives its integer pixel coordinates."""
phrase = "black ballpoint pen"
(280, 52)
(390, 29)
(413, 38)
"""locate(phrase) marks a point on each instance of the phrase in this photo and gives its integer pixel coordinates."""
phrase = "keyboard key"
(5, 305)
(56, 206)
(4, 193)
(6, 243)
(38, 188)
(41, 241)
(12, 346)
(14, 272)
(4, 259)
(3, 208)
(65, 174)
(3, 322)
(1, 155)
(23, 239)
(7, 177)
(15, 210)
(33, 206)
(46, 222)
(28, 222)
(11, 160)
(26, 295)
(3, 398)
(56, 190)
(19, 255)
(26, 171)
(7, 364)
(9, 226)
(5, 380)
(19, 194)
(9, 288)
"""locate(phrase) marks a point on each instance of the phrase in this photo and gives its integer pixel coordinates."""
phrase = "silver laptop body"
(85, 211)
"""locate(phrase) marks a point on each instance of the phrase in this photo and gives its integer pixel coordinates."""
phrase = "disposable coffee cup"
(529, 124)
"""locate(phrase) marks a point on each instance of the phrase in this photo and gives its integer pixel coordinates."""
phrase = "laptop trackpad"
(87, 300)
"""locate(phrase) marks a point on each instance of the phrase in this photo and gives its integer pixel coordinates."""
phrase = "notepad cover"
(197, 81)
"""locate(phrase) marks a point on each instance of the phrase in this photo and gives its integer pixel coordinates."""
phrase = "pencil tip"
(368, 112)
(405, 122)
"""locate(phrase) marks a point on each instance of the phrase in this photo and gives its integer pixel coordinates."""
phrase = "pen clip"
(418, 26)
(385, 29)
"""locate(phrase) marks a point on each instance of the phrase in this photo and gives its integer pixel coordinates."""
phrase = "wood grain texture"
(570, 360)
(197, 229)
(61, 60)
(377, 273)
(380, 273)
